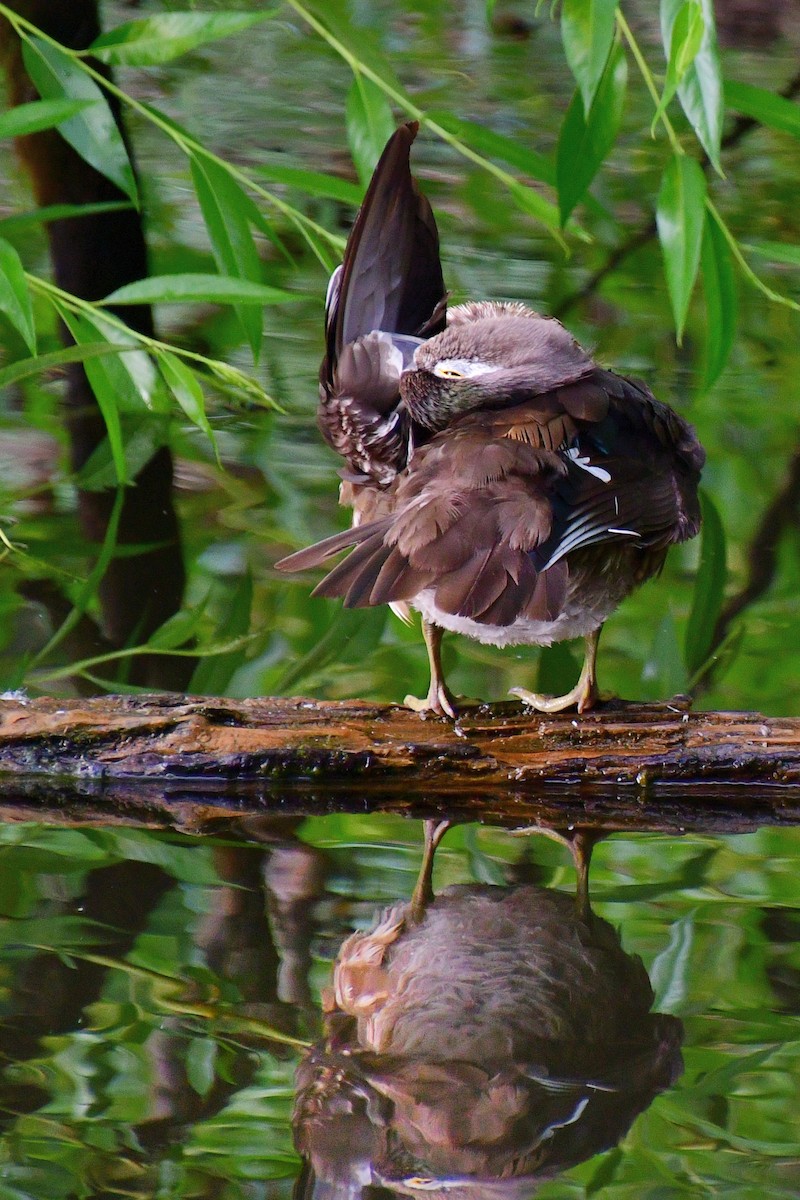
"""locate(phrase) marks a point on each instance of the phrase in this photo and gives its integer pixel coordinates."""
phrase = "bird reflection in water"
(477, 1044)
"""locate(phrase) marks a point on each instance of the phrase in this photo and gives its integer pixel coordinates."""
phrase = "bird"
(477, 1042)
(503, 483)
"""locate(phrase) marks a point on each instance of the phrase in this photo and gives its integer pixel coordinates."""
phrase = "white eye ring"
(459, 368)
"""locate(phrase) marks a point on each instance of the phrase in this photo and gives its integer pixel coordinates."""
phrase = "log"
(180, 762)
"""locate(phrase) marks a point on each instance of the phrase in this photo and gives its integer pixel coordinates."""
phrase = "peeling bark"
(183, 762)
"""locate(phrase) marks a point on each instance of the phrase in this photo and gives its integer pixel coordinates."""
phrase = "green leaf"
(228, 213)
(24, 368)
(61, 212)
(685, 40)
(584, 142)
(680, 218)
(496, 145)
(671, 971)
(200, 1059)
(587, 30)
(15, 300)
(536, 206)
(700, 89)
(123, 383)
(160, 38)
(195, 288)
(313, 183)
(93, 132)
(764, 106)
(184, 386)
(777, 252)
(370, 124)
(103, 384)
(38, 115)
(179, 629)
(719, 287)
(709, 588)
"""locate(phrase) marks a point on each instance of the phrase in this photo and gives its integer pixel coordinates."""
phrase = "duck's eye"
(448, 371)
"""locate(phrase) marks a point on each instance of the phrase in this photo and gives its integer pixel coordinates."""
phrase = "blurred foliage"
(633, 170)
(137, 1060)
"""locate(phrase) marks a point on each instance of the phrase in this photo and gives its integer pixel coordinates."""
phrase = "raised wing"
(390, 283)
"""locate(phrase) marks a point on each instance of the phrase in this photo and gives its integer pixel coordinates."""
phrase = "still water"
(160, 991)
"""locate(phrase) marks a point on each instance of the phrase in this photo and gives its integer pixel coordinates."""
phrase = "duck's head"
(489, 356)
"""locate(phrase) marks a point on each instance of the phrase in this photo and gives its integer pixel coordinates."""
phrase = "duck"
(503, 484)
(477, 1042)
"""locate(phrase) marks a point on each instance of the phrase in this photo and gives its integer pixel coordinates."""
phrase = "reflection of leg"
(439, 700)
(423, 891)
(580, 843)
(584, 695)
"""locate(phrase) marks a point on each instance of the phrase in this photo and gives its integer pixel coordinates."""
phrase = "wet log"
(181, 762)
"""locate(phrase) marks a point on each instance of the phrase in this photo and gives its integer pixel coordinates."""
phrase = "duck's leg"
(583, 696)
(439, 699)
(423, 890)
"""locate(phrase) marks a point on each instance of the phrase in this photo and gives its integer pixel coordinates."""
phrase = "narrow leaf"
(700, 89)
(38, 115)
(671, 971)
(15, 300)
(228, 213)
(164, 36)
(179, 629)
(103, 385)
(24, 368)
(685, 41)
(680, 218)
(313, 183)
(184, 386)
(709, 588)
(370, 124)
(536, 206)
(587, 30)
(93, 132)
(130, 376)
(496, 145)
(584, 142)
(777, 252)
(194, 288)
(199, 1062)
(764, 106)
(719, 287)
(61, 212)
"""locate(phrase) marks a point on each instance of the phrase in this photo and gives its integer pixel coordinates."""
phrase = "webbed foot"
(438, 701)
(583, 696)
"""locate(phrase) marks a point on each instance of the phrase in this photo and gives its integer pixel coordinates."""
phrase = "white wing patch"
(585, 464)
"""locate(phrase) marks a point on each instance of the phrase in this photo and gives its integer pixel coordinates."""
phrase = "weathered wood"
(178, 761)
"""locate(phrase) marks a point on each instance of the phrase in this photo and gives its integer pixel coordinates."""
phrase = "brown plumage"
(502, 482)
(477, 1044)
